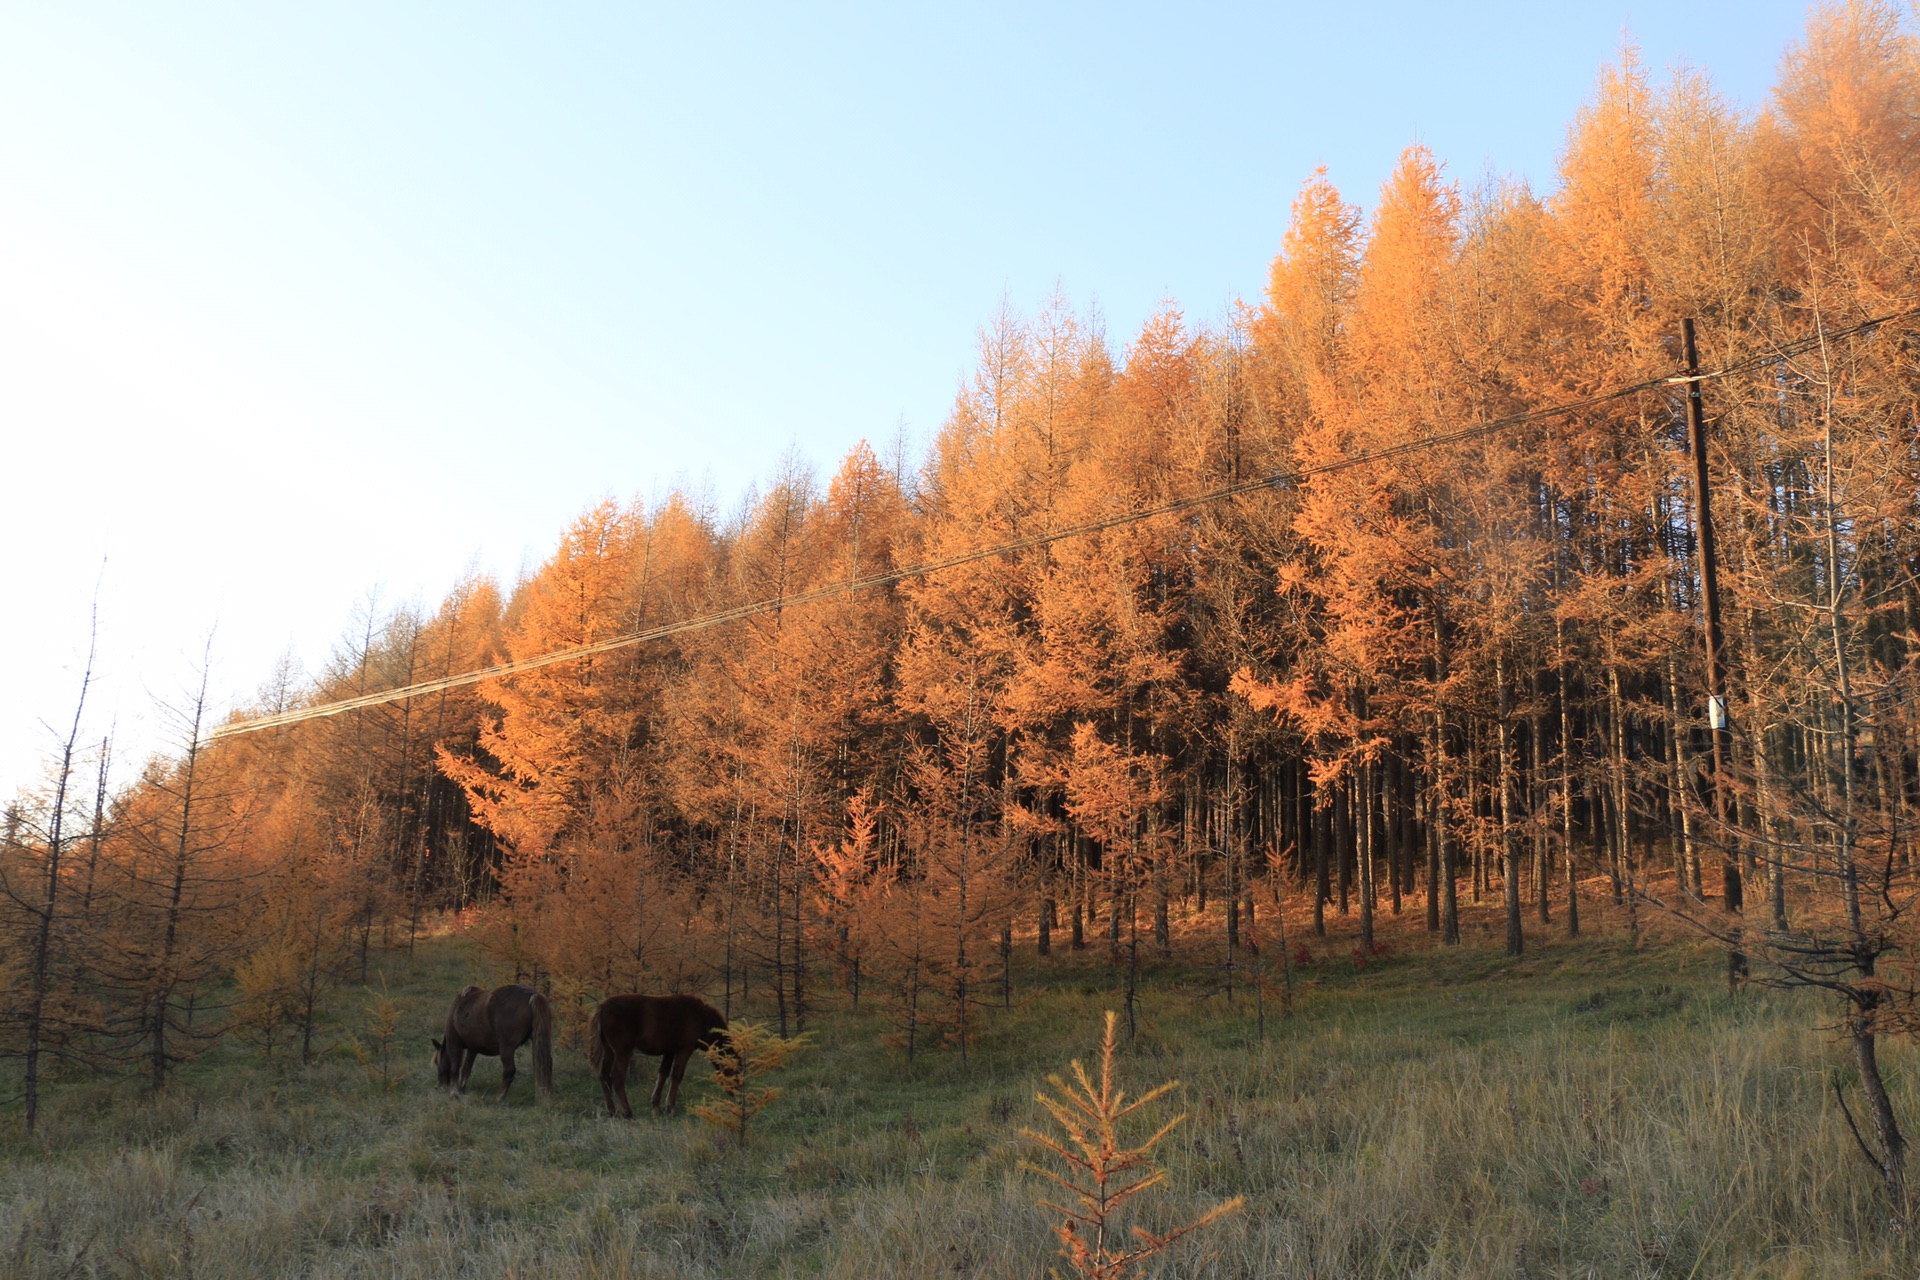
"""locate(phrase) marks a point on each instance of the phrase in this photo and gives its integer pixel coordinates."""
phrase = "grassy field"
(1586, 1111)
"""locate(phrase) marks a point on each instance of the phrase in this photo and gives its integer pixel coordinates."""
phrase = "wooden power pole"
(1719, 729)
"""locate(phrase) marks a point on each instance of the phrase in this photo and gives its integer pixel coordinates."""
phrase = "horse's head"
(716, 1037)
(442, 1063)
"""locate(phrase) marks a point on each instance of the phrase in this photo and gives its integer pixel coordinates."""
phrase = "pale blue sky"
(301, 301)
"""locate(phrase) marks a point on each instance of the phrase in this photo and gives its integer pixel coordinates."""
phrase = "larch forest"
(1387, 641)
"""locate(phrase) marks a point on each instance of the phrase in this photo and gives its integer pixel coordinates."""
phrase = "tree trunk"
(43, 930)
(1537, 807)
(1516, 942)
(1006, 965)
(1687, 861)
(1449, 874)
(1617, 759)
(1079, 889)
(1322, 837)
(98, 833)
(1391, 829)
(1566, 789)
(182, 853)
(1892, 1156)
(1433, 876)
(1363, 851)
(1343, 837)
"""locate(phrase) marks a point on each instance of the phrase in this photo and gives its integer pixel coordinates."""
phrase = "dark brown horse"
(670, 1026)
(496, 1023)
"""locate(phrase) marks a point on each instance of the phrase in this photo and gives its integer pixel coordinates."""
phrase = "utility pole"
(1719, 730)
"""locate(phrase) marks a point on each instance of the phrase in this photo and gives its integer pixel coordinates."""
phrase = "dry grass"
(1585, 1112)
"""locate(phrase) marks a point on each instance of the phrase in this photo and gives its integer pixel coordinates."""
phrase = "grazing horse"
(496, 1023)
(670, 1026)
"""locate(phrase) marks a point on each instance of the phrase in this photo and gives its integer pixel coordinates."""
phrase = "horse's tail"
(542, 1045)
(596, 1047)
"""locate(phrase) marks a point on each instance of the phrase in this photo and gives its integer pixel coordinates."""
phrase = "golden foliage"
(748, 1053)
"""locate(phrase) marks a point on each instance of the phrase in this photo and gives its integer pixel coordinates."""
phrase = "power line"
(854, 586)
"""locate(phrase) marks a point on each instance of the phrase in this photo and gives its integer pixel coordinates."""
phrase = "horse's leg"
(621, 1066)
(507, 1070)
(660, 1085)
(680, 1061)
(613, 1073)
(608, 1065)
(467, 1059)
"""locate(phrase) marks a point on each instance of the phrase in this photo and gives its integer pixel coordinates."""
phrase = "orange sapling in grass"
(1102, 1174)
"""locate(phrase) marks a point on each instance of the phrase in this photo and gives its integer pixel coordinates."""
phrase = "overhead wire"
(868, 582)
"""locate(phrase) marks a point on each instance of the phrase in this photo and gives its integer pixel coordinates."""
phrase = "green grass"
(1587, 1111)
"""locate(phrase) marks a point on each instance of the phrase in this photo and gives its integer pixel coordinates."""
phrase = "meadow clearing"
(1587, 1110)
